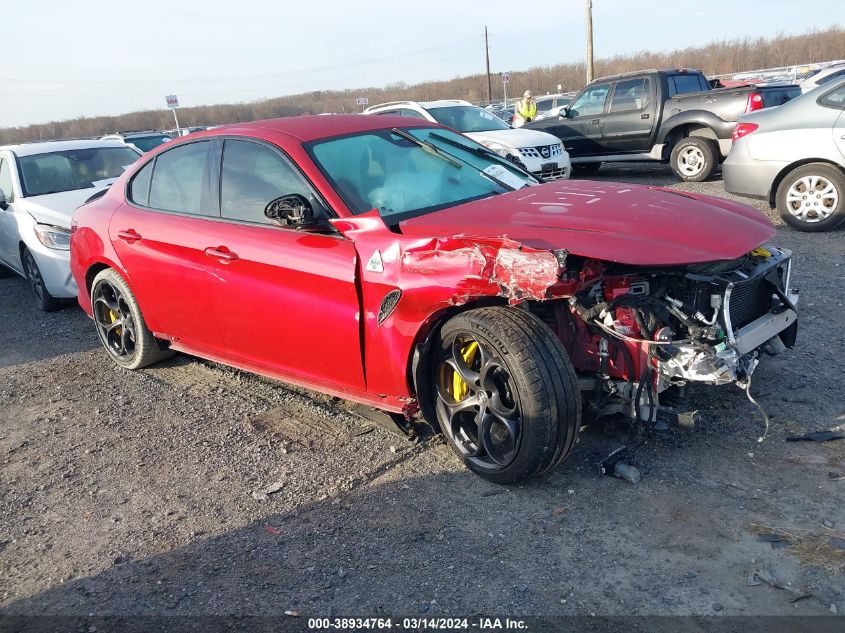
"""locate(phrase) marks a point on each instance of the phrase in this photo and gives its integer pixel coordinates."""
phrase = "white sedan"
(539, 152)
(41, 185)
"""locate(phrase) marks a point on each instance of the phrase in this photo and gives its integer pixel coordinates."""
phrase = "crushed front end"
(635, 333)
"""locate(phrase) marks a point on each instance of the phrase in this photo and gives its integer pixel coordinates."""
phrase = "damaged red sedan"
(400, 265)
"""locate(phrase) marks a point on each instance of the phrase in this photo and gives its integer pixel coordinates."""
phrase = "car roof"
(45, 147)
(315, 126)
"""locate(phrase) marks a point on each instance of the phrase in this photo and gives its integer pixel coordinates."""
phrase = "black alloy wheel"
(114, 320)
(477, 405)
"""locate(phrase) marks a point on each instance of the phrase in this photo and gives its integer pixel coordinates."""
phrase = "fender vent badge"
(375, 264)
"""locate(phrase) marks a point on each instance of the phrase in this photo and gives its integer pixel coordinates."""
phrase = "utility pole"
(487, 55)
(589, 41)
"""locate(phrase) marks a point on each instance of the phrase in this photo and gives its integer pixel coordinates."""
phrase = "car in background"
(503, 113)
(540, 153)
(794, 158)
(396, 263)
(822, 77)
(670, 116)
(144, 140)
(40, 186)
(552, 105)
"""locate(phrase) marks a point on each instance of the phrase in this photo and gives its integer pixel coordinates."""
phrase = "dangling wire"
(759, 408)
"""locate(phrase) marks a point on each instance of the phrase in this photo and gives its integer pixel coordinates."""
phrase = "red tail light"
(755, 102)
(743, 129)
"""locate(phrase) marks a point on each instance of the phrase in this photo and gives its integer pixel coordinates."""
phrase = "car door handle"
(222, 253)
(130, 235)
(595, 122)
(645, 116)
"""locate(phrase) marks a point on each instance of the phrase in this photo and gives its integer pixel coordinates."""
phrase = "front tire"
(43, 299)
(120, 324)
(812, 198)
(505, 393)
(694, 158)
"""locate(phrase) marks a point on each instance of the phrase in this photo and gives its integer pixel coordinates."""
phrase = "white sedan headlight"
(502, 150)
(54, 237)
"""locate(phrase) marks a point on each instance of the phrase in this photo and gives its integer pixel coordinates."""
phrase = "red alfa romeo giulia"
(400, 265)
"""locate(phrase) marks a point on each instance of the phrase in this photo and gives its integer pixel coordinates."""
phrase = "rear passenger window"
(179, 179)
(631, 94)
(139, 186)
(682, 84)
(254, 175)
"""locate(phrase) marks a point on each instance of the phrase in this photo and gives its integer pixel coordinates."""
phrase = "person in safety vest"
(525, 111)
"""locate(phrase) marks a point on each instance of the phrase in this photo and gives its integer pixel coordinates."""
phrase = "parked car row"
(426, 258)
(666, 116)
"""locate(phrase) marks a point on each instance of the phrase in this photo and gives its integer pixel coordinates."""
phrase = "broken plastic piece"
(627, 472)
(816, 436)
(758, 575)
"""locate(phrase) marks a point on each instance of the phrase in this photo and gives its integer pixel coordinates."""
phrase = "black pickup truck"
(669, 116)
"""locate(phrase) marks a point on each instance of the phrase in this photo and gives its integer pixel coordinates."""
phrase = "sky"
(65, 59)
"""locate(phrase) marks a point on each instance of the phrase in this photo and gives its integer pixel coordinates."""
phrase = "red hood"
(630, 224)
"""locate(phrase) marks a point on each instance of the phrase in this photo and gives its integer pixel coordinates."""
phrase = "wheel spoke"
(498, 438)
(462, 406)
(112, 326)
(110, 303)
(126, 342)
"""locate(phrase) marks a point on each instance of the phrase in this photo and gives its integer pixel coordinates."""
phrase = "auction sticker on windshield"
(505, 176)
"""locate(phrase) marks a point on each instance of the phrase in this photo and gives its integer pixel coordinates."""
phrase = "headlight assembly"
(500, 149)
(54, 237)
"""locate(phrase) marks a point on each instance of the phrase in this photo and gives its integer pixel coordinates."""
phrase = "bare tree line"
(717, 57)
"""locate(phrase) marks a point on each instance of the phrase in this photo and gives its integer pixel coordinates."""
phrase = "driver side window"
(252, 176)
(590, 102)
(6, 180)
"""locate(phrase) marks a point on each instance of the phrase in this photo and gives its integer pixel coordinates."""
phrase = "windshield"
(147, 143)
(410, 172)
(53, 172)
(467, 119)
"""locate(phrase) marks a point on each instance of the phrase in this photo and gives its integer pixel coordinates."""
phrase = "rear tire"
(120, 324)
(694, 158)
(505, 394)
(812, 198)
(43, 299)
(585, 168)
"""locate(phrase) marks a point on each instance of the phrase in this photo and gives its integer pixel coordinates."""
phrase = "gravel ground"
(190, 488)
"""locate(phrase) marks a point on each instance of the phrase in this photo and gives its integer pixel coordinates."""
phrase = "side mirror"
(3, 204)
(564, 112)
(291, 210)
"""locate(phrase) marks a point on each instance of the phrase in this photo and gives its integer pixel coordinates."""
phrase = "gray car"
(793, 156)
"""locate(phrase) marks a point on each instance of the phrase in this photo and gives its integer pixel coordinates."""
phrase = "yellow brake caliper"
(454, 384)
(112, 319)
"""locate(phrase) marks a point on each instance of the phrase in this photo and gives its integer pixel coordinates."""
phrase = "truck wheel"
(694, 158)
(812, 198)
(505, 394)
(586, 168)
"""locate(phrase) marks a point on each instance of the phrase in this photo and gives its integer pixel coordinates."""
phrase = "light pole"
(589, 41)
